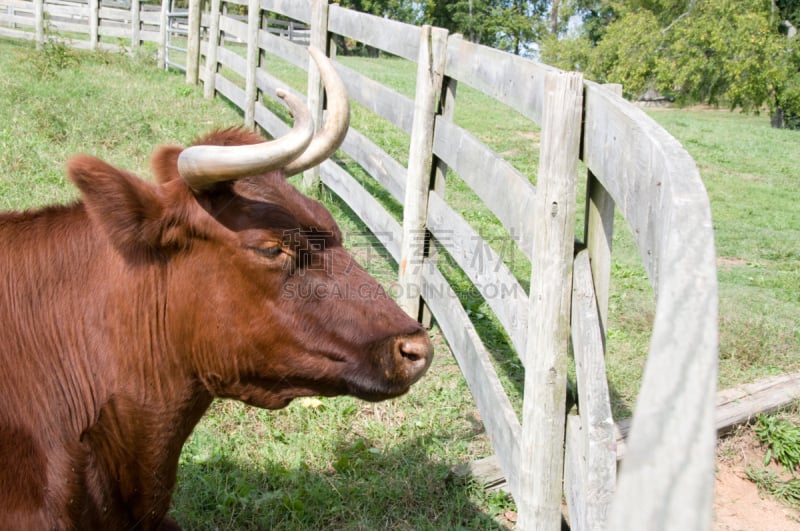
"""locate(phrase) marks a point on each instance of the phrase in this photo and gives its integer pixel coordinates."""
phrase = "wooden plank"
(121, 33)
(252, 60)
(388, 35)
(232, 60)
(284, 48)
(269, 84)
(598, 234)
(228, 89)
(212, 65)
(484, 267)
(67, 12)
(389, 173)
(136, 23)
(576, 462)
(378, 98)
(366, 207)
(296, 9)
(507, 193)
(430, 70)
(495, 408)
(316, 90)
(163, 22)
(738, 405)
(231, 26)
(17, 34)
(513, 80)
(656, 186)
(193, 43)
(549, 312)
(598, 439)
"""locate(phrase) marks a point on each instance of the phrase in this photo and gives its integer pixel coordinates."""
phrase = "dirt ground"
(738, 506)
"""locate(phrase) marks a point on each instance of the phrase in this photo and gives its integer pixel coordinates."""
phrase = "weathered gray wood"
(296, 9)
(232, 60)
(387, 35)
(380, 222)
(430, 71)
(234, 27)
(269, 84)
(549, 312)
(193, 43)
(447, 106)
(229, 89)
(250, 89)
(17, 34)
(513, 80)
(162, 34)
(136, 24)
(212, 66)
(380, 165)
(656, 186)
(484, 267)
(315, 91)
(284, 48)
(598, 236)
(576, 462)
(598, 440)
(94, 23)
(507, 193)
(598, 233)
(496, 411)
(378, 98)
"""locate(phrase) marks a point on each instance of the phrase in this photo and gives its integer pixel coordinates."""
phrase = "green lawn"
(341, 463)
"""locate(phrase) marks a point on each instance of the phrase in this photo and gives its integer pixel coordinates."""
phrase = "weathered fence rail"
(666, 478)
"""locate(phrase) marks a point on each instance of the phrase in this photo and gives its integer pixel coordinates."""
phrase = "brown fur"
(126, 313)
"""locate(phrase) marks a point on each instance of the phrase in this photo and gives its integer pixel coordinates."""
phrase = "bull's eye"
(273, 251)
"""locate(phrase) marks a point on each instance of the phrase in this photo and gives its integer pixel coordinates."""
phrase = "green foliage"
(53, 57)
(785, 490)
(782, 439)
(711, 51)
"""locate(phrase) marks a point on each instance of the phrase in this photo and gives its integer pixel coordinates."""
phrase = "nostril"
(416, 351)
(410, 351)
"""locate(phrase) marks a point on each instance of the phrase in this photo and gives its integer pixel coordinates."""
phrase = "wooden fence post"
(598, 232)
(210, 81)
(430, 73)
(447, 107)
(162, 34)
(94, 24)
(250, 88)
(136, 24)
(38, 10)
(319, 39)
(543, 409)
(193, 43)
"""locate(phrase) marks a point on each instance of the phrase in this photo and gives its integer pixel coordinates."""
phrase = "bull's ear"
(164, 163)
(134, 214)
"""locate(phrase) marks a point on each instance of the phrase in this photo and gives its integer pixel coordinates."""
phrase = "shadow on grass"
(361, 488)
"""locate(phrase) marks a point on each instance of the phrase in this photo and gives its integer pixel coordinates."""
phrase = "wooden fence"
(666, 478)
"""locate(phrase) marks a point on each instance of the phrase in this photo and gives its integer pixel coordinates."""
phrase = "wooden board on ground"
(735, 406)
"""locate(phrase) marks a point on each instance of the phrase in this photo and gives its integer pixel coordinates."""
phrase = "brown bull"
(123, 315)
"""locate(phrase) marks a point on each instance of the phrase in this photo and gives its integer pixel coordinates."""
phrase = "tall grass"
(340, 463)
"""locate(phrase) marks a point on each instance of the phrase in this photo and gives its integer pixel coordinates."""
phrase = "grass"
(780, 434)
(340, 463)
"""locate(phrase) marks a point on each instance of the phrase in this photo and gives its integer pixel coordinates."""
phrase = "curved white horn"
(327, 140)
(202, 166)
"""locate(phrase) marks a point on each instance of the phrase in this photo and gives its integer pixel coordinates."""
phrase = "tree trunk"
(776, 120)
(554, 16)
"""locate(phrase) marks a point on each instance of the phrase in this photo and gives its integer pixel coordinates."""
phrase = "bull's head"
(260, 298)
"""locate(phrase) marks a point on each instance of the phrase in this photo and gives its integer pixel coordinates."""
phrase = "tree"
(710, 51)
(511, 25)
